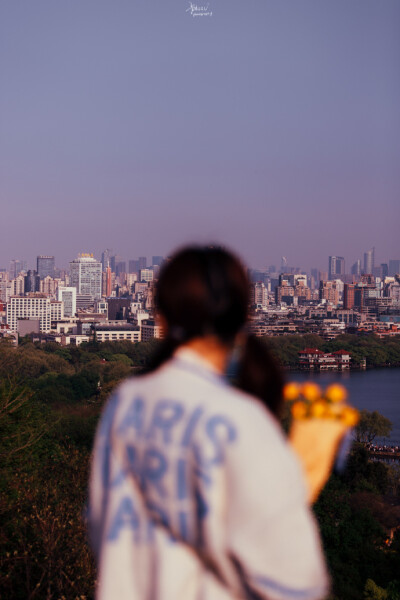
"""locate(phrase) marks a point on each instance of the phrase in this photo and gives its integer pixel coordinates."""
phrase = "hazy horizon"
(273, 128)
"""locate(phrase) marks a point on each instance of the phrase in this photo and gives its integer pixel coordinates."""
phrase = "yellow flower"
(350, 416)
(311, 391)
(335, 411)
(299, 410)
(291, 391)
(318, 409)
(336, 393)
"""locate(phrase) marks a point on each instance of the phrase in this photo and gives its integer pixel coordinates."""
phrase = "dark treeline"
(377, 352)
(50, 401)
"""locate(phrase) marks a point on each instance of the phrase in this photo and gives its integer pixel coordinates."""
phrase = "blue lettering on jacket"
(125, 518)
(190, 426)
(134, 417)
(154, 468)
(181, 479)
(166, 414)
(220, 431)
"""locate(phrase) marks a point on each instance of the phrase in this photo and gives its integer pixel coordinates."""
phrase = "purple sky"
(271, 126)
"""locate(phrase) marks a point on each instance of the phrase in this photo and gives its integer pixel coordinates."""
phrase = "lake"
(375, 389)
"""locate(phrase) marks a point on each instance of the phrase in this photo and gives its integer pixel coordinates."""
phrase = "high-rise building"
(16, 266)
(105, 258)
(157, 261)
(113, 262)
(56, 310)
(120, 267)
(134, 266)
(85, 276)
(328, 291)
(36, 307)
(108, 280)
(382, 271)
(142, 262)
(49, 286)
(284, 292)
(146, 275)
(394, 267)
(369, 261)
(348, 296)
(323, 275)
(45, 266)
(68, 296)
(356, 268)
(259, 294)
(31, 282)
(18, 285)
(336, 267)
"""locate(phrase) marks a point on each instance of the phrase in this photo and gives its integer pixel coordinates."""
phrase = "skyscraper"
(356, 268)
(394, 267)
(31, 282)
(85, 275)
(348, 296)
(105, 258)
(142, 262)
(336, 267)
(16, 266)
(369, 261)
(45, 266)
(120, 267)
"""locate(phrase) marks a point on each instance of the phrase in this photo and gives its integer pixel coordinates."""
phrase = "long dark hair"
(205, 291)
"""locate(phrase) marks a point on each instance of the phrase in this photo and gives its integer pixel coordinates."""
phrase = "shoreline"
(355, 368)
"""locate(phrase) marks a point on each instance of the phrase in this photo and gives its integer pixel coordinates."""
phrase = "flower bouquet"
(318, 423)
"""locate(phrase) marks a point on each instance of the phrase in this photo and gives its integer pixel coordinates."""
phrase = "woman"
(195, 493)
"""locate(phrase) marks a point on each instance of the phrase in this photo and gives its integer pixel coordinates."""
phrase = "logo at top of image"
(199, 10)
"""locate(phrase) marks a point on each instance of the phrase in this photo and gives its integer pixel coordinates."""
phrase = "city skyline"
(273, 129)
(31, 262)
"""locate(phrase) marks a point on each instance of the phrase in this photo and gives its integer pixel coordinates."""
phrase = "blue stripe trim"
(301, 594)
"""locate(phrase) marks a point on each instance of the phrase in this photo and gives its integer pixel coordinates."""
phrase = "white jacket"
(196, 495)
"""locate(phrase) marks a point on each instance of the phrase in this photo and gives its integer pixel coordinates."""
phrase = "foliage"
(373, 591)
(50, 401)
(44, 549)
(22, 421)
(363, 474)
(372, 425)
(350, 537)
(377, 352)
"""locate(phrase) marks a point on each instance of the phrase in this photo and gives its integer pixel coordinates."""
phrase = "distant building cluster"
(327, 303)
(112, 299)
(93, 299)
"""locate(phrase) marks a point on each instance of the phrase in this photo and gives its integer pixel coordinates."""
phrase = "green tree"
(372, 425)
(374, 592)
(393, 590)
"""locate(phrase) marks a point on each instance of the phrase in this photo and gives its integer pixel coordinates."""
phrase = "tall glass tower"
(45, 266)
(369, 261)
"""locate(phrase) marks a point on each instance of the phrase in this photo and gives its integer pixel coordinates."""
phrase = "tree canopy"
(372, 425)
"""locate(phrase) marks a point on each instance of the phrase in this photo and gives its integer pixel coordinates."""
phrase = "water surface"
(375, 389)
